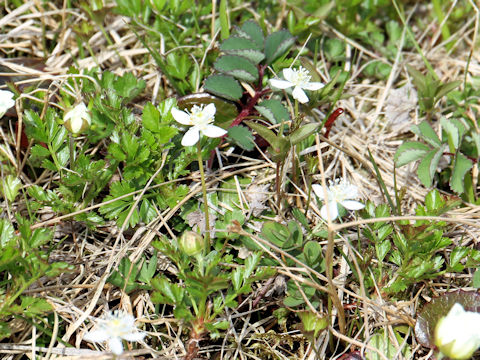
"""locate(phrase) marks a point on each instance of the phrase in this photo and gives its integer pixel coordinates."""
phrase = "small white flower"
(300, 80)
(338, 192)
(457, 335)
(200, 119)
(113, 328)
(6, 101)
(77, 119)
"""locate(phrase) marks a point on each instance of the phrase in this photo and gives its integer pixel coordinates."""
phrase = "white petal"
(313, 86)
(289, 74)
(115, 345)
(280, 84)
(350, 191)
(134, 336)
(181, 116)
(332, 207)
(300, 95)
(213, 131)
(210, 110)
(318, 190)
(191, 137)
(352, 205)
(96, 336)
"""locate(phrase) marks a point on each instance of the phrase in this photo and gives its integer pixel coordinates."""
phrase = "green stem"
(204, 189)
(296, 114)
(72, 152)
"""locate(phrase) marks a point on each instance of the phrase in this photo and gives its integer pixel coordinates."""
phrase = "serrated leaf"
(455, 130)
(426, 132)
(241, 46)
(274, 111)
(224, 86)
(242, 137)
(237, 66)
(303, 132)
(461, 166)
(428, 166)
(277, 44)
(254, 32)
(410, 151)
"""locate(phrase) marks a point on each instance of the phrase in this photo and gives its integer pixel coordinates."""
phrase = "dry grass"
(83, 294)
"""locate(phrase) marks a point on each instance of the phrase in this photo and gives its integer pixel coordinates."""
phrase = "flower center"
(199, 118)
(301, 76)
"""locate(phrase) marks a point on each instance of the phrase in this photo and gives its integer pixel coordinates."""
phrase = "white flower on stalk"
(299, 79)
(200, 119)
(457, 335)
(113, 328)
(338, 192)
(77, 119)
(6, 101)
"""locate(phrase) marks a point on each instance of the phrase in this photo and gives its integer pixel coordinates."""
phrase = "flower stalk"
(204, 191)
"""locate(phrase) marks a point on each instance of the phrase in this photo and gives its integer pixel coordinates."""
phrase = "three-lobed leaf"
(237, 66)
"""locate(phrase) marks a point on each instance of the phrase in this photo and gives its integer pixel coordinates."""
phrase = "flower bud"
(6, 101)
(457, 335)
(191, 243)
(77, 119)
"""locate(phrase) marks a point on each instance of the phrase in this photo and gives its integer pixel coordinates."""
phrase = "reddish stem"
(331, 119)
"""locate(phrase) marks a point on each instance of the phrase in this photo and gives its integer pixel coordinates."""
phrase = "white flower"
(113, 328)
(77, 119)
(299, 79)
(457, 335)
(339, 192)
(200, 118)
(6, 101)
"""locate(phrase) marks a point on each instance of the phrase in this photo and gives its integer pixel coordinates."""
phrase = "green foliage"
(456, 134)
(430, 89)
(415, 248)
(130, 277)
(23, 262)
(206, 281)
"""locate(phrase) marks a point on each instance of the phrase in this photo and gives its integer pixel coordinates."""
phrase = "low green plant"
(409, 253)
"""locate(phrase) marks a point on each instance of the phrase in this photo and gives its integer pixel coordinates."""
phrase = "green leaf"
(455, 129)
(252, 31)
(242, 137)
(264, 132)
(11, 186)
(446, 88)
(7, 233)
(428, 166)
(426, 132)
(476, 279)
(241, 46)
(277, 44)
(302, 133)
(274, 111)
(419, 79)
(460, 167)
(237, 66)
(434, 202)
(224, 86)
(312, 324)
(410, 151)
(313, 253)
